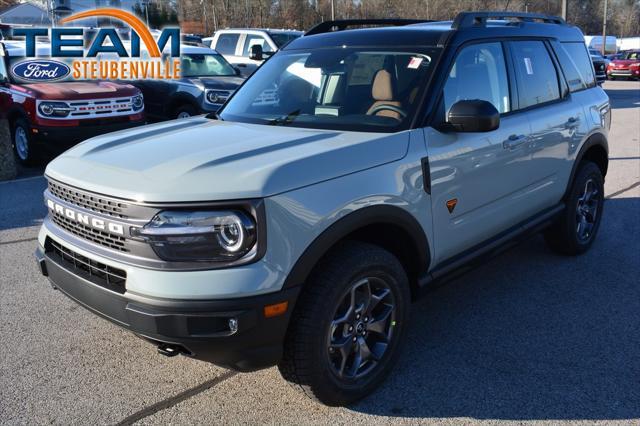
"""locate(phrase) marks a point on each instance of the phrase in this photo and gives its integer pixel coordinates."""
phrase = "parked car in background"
(207, 82)
(626, 67)
(49, 117)
(235, 44)
(192, 40)
(599, 65)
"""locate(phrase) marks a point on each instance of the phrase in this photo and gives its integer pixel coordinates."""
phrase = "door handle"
(514, 141)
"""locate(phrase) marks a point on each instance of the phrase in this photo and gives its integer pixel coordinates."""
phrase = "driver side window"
(479, 72)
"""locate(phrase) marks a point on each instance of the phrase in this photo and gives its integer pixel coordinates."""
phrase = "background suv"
(235, 44)
(627, 66)
(53, 116)
(297, 231)
(207, 80)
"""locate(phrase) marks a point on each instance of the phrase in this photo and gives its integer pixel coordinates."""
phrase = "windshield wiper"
(284, 119)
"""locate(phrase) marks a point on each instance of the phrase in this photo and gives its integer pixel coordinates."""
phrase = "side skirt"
(475, 256)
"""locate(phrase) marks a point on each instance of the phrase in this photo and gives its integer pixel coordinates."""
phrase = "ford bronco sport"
(296, 232)
(207, 80)
(50, 117)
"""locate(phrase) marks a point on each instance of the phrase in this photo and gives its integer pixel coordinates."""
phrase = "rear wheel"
(578, 225)
(348, 325)
(23, 147)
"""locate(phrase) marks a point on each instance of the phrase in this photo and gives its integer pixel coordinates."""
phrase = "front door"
(476, 177)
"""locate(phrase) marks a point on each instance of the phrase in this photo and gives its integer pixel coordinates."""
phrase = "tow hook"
(169, 350)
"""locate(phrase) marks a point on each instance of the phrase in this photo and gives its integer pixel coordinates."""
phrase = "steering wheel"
(383, 107)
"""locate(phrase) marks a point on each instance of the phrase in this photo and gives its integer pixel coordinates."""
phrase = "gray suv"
(353, 169)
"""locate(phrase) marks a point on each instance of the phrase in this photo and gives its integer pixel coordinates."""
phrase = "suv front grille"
(111, 278)
(89, 201)
(103, 238)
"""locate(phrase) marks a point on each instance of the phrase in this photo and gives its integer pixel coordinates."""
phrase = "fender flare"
(181, 99)
(16, 112)
(339, 230)
(595, 139)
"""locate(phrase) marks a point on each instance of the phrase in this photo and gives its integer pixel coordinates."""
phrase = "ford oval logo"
(40, 70)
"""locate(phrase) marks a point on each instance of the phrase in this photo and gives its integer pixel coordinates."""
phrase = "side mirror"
(473, 116)
(237, 70)
(256, 53)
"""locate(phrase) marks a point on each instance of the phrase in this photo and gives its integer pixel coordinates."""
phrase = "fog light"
(233, 325)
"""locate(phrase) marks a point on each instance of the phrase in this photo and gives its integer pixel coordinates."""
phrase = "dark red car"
(628, 66)
(50, 117)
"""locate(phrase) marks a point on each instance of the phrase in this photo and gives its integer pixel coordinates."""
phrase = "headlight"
(137, 102)
(213, 236)
(217, 96)
(54, 109)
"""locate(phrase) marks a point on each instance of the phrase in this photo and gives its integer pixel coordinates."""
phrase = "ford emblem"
(40, 70)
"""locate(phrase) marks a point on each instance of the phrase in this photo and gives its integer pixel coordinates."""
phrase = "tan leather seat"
(383, 93)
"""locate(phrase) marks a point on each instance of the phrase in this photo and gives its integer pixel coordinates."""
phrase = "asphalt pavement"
(528, 337)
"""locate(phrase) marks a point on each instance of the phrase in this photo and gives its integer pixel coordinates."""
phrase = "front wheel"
(576, 229)
(23, 147)
(185, 111)
(348, 325)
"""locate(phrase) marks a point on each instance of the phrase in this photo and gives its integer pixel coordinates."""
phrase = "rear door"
(557, 121)
(476, 178)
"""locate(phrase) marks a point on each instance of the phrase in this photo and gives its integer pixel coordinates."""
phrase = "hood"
(199, 159)
(80, 90)
(220, 83)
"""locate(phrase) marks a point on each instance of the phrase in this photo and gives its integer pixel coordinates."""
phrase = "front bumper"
(60, 138)
(195, 328)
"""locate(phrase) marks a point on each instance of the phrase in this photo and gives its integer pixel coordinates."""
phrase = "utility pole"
(604, 28)
(146, 11)
(204, 17)
(564, 9)
(333, 10)
(215, 18)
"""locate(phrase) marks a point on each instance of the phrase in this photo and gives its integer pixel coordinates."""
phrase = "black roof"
(467, 26)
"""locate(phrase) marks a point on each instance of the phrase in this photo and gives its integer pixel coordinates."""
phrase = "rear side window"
(535, 73)
(226, 44)
(580, 57)
(575, 80)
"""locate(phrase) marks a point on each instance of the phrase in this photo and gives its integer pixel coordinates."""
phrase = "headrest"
(382, 89)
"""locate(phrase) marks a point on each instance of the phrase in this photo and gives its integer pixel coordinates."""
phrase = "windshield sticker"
(414, 63)
(527, 64)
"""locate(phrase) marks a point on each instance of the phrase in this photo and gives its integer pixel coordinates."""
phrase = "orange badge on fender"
(451, 204)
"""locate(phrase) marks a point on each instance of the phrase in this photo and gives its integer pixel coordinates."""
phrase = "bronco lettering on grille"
(85, 219)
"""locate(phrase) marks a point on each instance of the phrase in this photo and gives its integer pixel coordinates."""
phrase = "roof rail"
(479, 19)
(342, 24)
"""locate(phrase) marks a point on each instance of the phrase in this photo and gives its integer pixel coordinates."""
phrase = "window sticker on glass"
(414, 63)
(527, 64)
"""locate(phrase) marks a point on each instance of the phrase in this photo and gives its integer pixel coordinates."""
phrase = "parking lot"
(529, 336)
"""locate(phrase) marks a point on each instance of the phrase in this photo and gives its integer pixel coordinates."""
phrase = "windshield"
(633, 56)
(280, 39)
(205, 65)
(342, 89)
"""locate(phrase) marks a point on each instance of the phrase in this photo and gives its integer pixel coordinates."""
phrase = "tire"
(578, 225)
(309, 363)
(23, 147)
(185, 111)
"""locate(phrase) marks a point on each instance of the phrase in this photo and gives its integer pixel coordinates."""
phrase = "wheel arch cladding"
(596, 150)
(182, 99)
(389, 227)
